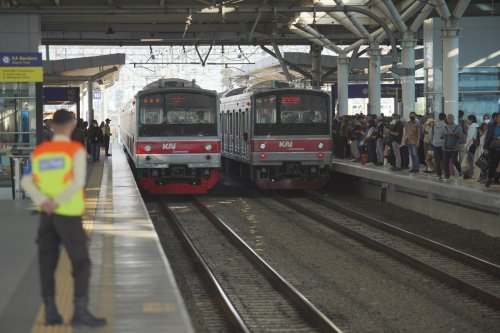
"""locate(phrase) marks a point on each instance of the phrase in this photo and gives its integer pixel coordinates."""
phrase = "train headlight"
(148, 148)
(208, 147)
(321, 145)
(262, 146)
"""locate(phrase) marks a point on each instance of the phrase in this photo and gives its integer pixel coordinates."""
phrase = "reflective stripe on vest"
(52, 170)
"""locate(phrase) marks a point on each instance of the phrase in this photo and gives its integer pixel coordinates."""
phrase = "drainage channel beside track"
(253, 295)
(473, 276)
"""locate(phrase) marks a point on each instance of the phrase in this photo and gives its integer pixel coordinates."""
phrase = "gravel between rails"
(261, 306)
(473, 242)
(205, 313)
(361, 290)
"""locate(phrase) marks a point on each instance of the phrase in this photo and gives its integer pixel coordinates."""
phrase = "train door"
(244, 137)
(222, 127)
(237, 132)
(231, 133)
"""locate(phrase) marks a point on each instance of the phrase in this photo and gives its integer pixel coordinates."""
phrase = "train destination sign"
(291, 100)
(21, 67)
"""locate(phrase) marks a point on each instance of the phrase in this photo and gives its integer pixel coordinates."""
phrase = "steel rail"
(422, 241)
(324, 323)
(235, 318)
(457, 283)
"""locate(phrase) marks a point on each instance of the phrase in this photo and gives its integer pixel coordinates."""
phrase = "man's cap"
(108, 120)
(63, 117)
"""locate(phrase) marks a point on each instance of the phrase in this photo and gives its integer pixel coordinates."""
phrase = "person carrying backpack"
(471, 145)
(451, 135)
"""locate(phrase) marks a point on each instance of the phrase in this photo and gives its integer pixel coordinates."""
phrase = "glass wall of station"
(479, 90)
(17, 125)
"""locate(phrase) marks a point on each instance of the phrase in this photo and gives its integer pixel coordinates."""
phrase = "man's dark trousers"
(106, 144)
(66, 230)
(438, 160)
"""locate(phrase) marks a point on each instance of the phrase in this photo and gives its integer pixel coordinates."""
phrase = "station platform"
(463, 202)
(132, 285)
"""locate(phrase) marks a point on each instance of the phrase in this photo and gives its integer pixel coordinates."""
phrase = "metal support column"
(374, 93)
(282, 62)
(342, 83)
(408, 78)
(316, 66)
(90, 96)
(450, 69)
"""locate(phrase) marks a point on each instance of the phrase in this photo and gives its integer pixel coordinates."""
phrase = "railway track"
(253, 295)
(473, 276)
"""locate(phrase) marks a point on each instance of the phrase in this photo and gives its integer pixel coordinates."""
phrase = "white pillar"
(90, 96)
(374, 80)
(450, 69)
(408, 78)
(343, 84)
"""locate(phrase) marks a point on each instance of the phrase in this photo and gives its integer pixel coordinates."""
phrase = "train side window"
(230, 123)
(237, 123)
(265, 108)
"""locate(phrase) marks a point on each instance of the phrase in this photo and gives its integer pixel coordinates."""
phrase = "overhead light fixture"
(152, 40)
(110, 31)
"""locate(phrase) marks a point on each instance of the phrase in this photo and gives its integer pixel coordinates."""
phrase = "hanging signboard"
(386, 91)
(21, 67)
(61, 95)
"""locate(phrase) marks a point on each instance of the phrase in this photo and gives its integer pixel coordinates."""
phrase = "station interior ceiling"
(208, 22)
(205, 23)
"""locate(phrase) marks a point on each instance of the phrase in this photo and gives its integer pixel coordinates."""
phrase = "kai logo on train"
(285, 144)
(169, 146)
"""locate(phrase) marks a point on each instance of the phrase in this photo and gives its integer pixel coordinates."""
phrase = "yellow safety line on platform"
(64, 279)
(107, 292)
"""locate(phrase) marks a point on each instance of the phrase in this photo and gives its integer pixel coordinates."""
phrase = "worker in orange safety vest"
(55, 182)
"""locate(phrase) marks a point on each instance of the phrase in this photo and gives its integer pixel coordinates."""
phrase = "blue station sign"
(21, 67)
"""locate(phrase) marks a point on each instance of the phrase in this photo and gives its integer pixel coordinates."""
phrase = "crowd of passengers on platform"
(93, 138)
(466, 147)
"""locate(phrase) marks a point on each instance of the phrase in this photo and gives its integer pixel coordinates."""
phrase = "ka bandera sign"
(21, 67)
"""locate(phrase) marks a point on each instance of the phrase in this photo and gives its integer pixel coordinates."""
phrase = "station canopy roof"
(269, 68)
(104, 69)
(228, 22)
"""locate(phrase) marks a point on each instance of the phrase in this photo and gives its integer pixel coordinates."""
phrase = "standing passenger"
(55, 183)
(396, 132)
(78, 133)
(96, 139)
(436, 139)
(452, 135)
(492, 148)
(107, 136)
(412, 140)
(47, 130)
(429, 163)
(86, 132)
(471, 145)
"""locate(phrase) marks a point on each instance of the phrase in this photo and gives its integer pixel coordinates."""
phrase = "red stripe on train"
(178, 147)
(291, 145)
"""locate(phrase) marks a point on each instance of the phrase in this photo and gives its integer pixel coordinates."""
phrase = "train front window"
(297, 113)
(190, 109)
(302, 109)
(265, 110)
(151, 110)
(183, 114)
